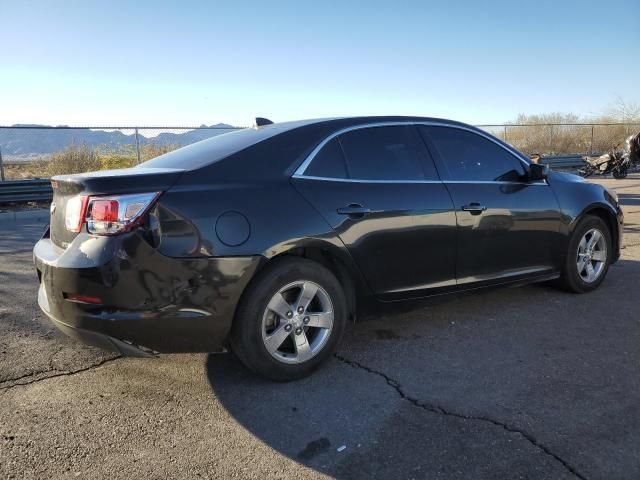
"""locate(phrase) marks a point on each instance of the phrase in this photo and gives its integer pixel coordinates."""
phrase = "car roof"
(283, 144)
(343, 122)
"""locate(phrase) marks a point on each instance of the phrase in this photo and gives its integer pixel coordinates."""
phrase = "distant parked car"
(267, 239)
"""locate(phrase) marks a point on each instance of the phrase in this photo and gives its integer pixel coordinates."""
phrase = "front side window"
(385, 153)
(468, 156)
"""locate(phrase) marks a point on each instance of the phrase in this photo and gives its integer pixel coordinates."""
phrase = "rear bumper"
(89, 337)
(148, 302)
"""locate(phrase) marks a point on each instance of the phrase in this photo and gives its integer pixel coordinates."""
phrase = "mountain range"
(32, 140)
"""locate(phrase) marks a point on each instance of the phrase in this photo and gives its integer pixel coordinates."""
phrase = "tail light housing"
(119, 213)
(108, 215)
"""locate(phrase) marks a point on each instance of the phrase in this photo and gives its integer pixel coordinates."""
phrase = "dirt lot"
(513, 383)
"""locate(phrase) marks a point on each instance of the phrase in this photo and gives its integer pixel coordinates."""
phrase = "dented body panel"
(148, 300)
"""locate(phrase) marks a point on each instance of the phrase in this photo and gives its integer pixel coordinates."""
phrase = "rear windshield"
(212, 149)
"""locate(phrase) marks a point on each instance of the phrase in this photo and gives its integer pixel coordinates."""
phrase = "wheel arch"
(607, 214)
(335, 258)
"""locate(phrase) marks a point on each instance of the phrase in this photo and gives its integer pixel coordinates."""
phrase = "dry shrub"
(152, 150)
(112, 161)
(554, 134)
(127, 157)
(73, 159)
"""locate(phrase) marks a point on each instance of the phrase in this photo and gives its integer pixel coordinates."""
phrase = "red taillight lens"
(104, 210)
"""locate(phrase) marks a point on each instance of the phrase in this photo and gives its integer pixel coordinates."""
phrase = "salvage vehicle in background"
(267, 239)
(618, 162)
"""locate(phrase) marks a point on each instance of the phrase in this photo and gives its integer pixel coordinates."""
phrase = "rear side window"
(386, 153)
(468, 156)
(329, 162)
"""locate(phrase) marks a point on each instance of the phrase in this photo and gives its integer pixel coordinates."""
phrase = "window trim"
(299, 173)
(342, 156)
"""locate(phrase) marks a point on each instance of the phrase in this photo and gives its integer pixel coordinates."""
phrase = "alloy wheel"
(297, 322)
(592, 255)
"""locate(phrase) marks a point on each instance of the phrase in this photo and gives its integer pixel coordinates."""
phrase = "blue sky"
(188, 63)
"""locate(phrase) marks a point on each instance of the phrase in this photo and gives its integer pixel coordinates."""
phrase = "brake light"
(104, 210)
(75, 212)
(118, 213)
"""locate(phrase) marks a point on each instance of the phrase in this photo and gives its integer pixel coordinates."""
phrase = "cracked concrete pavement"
(517, 383)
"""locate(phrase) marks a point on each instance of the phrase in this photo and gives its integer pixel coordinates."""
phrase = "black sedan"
(269, 239)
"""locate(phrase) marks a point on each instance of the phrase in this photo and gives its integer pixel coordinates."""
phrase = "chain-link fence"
(587, 139)
(34, 151)
(28, 151)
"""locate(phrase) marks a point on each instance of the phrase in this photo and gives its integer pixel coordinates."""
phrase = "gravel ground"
(514, 383)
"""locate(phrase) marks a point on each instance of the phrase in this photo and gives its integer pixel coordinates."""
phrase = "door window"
(387, 153)
(468, 156)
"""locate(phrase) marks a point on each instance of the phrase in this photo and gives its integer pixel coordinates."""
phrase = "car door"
(508, 227)
(379, 190)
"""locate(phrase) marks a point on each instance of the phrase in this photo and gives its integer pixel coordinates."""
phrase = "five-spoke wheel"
(589, 255)
(291, 319)
(592, 255)
(297, 321)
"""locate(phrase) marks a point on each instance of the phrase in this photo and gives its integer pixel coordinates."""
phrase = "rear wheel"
(620, 172)
(589, 256)
(290, 320)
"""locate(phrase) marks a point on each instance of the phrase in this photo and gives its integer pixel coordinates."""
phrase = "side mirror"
(538, 171)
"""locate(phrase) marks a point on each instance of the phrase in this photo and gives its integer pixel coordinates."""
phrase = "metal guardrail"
(563, 162)
(20, 191)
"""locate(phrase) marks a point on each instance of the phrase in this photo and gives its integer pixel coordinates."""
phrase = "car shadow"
(421, 392)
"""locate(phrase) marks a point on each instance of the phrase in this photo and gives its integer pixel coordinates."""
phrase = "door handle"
(354, 210)
(474, 208)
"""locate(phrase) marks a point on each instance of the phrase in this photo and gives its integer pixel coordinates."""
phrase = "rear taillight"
(118, 213)
(74, 213)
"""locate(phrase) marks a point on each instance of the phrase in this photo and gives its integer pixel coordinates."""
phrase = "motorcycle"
(632, 151)
(618, 161)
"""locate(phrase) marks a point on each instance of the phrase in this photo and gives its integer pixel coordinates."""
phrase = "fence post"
(137, 145)
(591, 146)
(1, 166)
(550, 140)
(505, 134)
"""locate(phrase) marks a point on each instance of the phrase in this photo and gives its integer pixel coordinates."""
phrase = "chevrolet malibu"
(267, 240)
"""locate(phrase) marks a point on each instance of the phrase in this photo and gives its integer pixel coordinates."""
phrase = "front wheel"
(589, 256)
(585, 172)
(290, 320)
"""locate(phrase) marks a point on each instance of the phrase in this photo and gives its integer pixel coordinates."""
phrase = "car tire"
(620, 172)
(577, 280)
(261, 319)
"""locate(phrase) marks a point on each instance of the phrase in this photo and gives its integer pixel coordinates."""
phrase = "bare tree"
(624, 112)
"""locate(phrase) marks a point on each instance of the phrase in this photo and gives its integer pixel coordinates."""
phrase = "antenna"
(261, 122)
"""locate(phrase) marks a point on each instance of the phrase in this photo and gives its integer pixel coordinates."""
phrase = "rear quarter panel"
(279, 220)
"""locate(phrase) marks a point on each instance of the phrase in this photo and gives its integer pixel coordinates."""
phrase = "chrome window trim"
(355, 180)
(299, 173)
